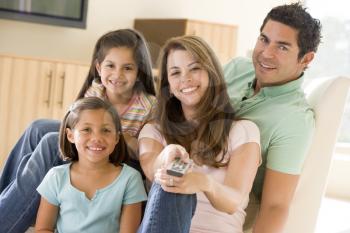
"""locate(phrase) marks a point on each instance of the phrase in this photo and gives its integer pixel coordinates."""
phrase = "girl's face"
(188, 80)
(94, 136)
(118, 72)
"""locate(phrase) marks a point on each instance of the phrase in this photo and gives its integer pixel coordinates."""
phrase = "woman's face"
(118, 72)
(188, 80)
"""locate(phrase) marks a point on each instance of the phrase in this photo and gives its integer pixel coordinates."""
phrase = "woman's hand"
(191, 182)
(171, 152)
(154, 155)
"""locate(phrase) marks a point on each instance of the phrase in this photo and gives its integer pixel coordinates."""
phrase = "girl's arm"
(46, 218)
(130, 218)
(131, 142)
(226, 197)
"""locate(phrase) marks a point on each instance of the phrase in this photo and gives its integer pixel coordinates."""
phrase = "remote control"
(177, 168)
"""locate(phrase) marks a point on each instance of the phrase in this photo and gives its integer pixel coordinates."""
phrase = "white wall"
(339, 174)
(37, 40)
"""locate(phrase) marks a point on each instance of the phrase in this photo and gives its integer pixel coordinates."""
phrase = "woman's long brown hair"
(206, 140)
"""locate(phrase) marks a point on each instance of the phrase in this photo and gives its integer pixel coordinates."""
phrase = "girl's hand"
(172, 151)
(190, 183)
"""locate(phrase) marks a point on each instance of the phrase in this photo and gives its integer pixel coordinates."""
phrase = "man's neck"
(256, 86)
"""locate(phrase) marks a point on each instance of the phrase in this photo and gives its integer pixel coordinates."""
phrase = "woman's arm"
(241, 171)
(226, 197)
(153, 155)
(130, 218)
(47, 217)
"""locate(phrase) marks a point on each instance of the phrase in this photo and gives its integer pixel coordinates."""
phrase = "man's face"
(275, 55)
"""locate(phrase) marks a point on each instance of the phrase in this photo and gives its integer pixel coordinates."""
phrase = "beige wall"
(55, 42)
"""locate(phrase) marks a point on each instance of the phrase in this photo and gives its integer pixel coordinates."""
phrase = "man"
(267, 90)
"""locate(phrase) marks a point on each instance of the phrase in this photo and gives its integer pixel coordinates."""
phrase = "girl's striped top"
(140, 108)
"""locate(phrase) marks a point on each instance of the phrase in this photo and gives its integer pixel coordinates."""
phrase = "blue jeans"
(167, 212)
(31, 158)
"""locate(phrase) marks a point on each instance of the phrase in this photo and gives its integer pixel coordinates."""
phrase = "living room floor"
(334, 216)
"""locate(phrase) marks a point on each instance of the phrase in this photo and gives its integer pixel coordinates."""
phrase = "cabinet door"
(21, 95)
(5, 79)
(32, 89)
(201, 29)
(220, 37)
(69, 80)
(226, 46)
(58, 87)
(46, 87)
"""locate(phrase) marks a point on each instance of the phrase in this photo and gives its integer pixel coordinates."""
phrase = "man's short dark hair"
(295, 15)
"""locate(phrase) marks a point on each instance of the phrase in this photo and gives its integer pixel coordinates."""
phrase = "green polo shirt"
(285, 120)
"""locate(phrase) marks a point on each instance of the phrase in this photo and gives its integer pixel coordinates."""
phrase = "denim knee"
(168, 212)
(41, 127)
(45, 156)
(50, 141)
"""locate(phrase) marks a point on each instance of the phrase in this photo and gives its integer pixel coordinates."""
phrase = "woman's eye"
(196, 68)
(106, 130)
(129, 68)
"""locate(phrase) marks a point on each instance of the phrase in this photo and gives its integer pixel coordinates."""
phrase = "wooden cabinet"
(221, 37)
(34, 88)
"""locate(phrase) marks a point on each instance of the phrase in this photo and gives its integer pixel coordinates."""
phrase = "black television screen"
(69, 13)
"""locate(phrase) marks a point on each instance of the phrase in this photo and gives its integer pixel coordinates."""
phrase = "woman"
(196, 121)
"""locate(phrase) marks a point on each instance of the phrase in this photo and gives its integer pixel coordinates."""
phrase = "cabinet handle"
(49, 76)
(62, 90)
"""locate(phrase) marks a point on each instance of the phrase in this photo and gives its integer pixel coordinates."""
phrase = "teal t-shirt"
(100, 214)
(285, 120)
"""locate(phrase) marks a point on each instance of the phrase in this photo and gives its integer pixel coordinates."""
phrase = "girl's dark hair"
(68, 149)
(122, 38)
(207, 140)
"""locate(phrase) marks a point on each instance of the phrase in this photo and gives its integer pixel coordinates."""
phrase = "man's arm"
(278, 192)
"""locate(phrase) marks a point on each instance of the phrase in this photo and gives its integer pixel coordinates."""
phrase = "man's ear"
(307, 58)
(70, 135)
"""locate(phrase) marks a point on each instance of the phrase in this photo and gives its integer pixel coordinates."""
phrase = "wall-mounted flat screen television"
(68, 13)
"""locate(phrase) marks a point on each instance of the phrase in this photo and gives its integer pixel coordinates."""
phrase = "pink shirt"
(206, 218)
